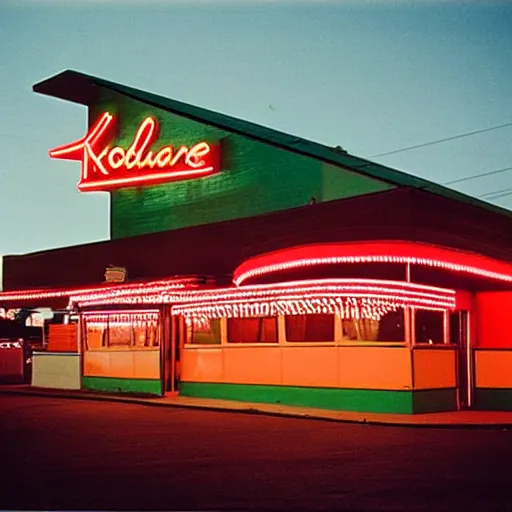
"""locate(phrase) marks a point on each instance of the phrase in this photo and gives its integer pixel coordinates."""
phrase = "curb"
(255, 410)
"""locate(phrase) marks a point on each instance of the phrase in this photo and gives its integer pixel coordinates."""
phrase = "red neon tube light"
(131, 318)
(101, 293)
(348, 297)
(107, 168)
(301, 257)
(312, 290)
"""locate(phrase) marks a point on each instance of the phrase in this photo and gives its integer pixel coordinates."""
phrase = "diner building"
(248, 264)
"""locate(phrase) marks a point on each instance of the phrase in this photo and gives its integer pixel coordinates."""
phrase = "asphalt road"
(74, 454)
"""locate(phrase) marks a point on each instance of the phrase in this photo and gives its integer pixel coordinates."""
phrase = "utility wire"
(500, 196)
(496, 194)
(475, 176)
(488, 195)
(446, 139)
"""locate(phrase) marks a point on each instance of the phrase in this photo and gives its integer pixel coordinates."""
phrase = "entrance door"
(174, 341)
(459, 334)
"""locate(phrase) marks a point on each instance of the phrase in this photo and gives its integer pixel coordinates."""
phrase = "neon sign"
(10, 344)
(107, 168)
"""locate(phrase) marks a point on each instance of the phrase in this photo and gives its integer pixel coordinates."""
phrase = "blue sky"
(370, 76)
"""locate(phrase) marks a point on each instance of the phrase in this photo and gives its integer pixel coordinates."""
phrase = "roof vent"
(339, 149)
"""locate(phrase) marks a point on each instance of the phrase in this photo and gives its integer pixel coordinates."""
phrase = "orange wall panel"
(146, 364)
(493, 311)
(202, 365)
(96, 364)
(310, 366)
(344, 367)
(434, 368)
(374, 368)
(493, 368)
(121, 364)
(253, 365)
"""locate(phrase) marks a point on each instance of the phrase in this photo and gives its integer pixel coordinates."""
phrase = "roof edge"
(77, 87)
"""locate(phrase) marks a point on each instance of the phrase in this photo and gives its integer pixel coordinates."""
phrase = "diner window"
(206, 332)
(429, 326)
(120, 335)
(252, 330)
(124, 330)
(309, 328)
(390, 327)
(95, 336)
(363, 329)
(146, 336)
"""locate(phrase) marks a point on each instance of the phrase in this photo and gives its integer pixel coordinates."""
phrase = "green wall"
(130, 386)
(255, 178)
(359, 400)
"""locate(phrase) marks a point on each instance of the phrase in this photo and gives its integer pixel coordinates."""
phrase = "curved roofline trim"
(414, 253)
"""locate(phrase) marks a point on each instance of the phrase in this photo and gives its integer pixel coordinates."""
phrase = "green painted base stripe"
(146, 386)
(434, 400)
(493, 399)
(360, 400)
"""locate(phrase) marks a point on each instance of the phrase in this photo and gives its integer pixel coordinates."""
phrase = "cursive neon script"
(106, 168)
(10, 344)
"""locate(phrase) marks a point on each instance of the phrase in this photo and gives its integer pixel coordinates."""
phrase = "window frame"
(408, 319)
(254, 343)
(105, 344)
(190, 331)
(445, 328)
(314, 342)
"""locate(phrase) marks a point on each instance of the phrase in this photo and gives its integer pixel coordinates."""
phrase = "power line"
(446, 139)
(475, 176)
(500, 196)
(496, 194)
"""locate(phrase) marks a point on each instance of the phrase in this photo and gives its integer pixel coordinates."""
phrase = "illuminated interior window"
(390, 327)
(121, 330)
(252, 330)
(146, 336)
(120, 335)
(309, 328)
(204, 332)
(95, 336)
(429, 326)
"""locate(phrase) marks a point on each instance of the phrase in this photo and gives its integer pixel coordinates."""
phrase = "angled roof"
(83, 89)
(399, 214)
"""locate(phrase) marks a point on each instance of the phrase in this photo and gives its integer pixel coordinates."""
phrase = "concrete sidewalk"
(454, 419)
